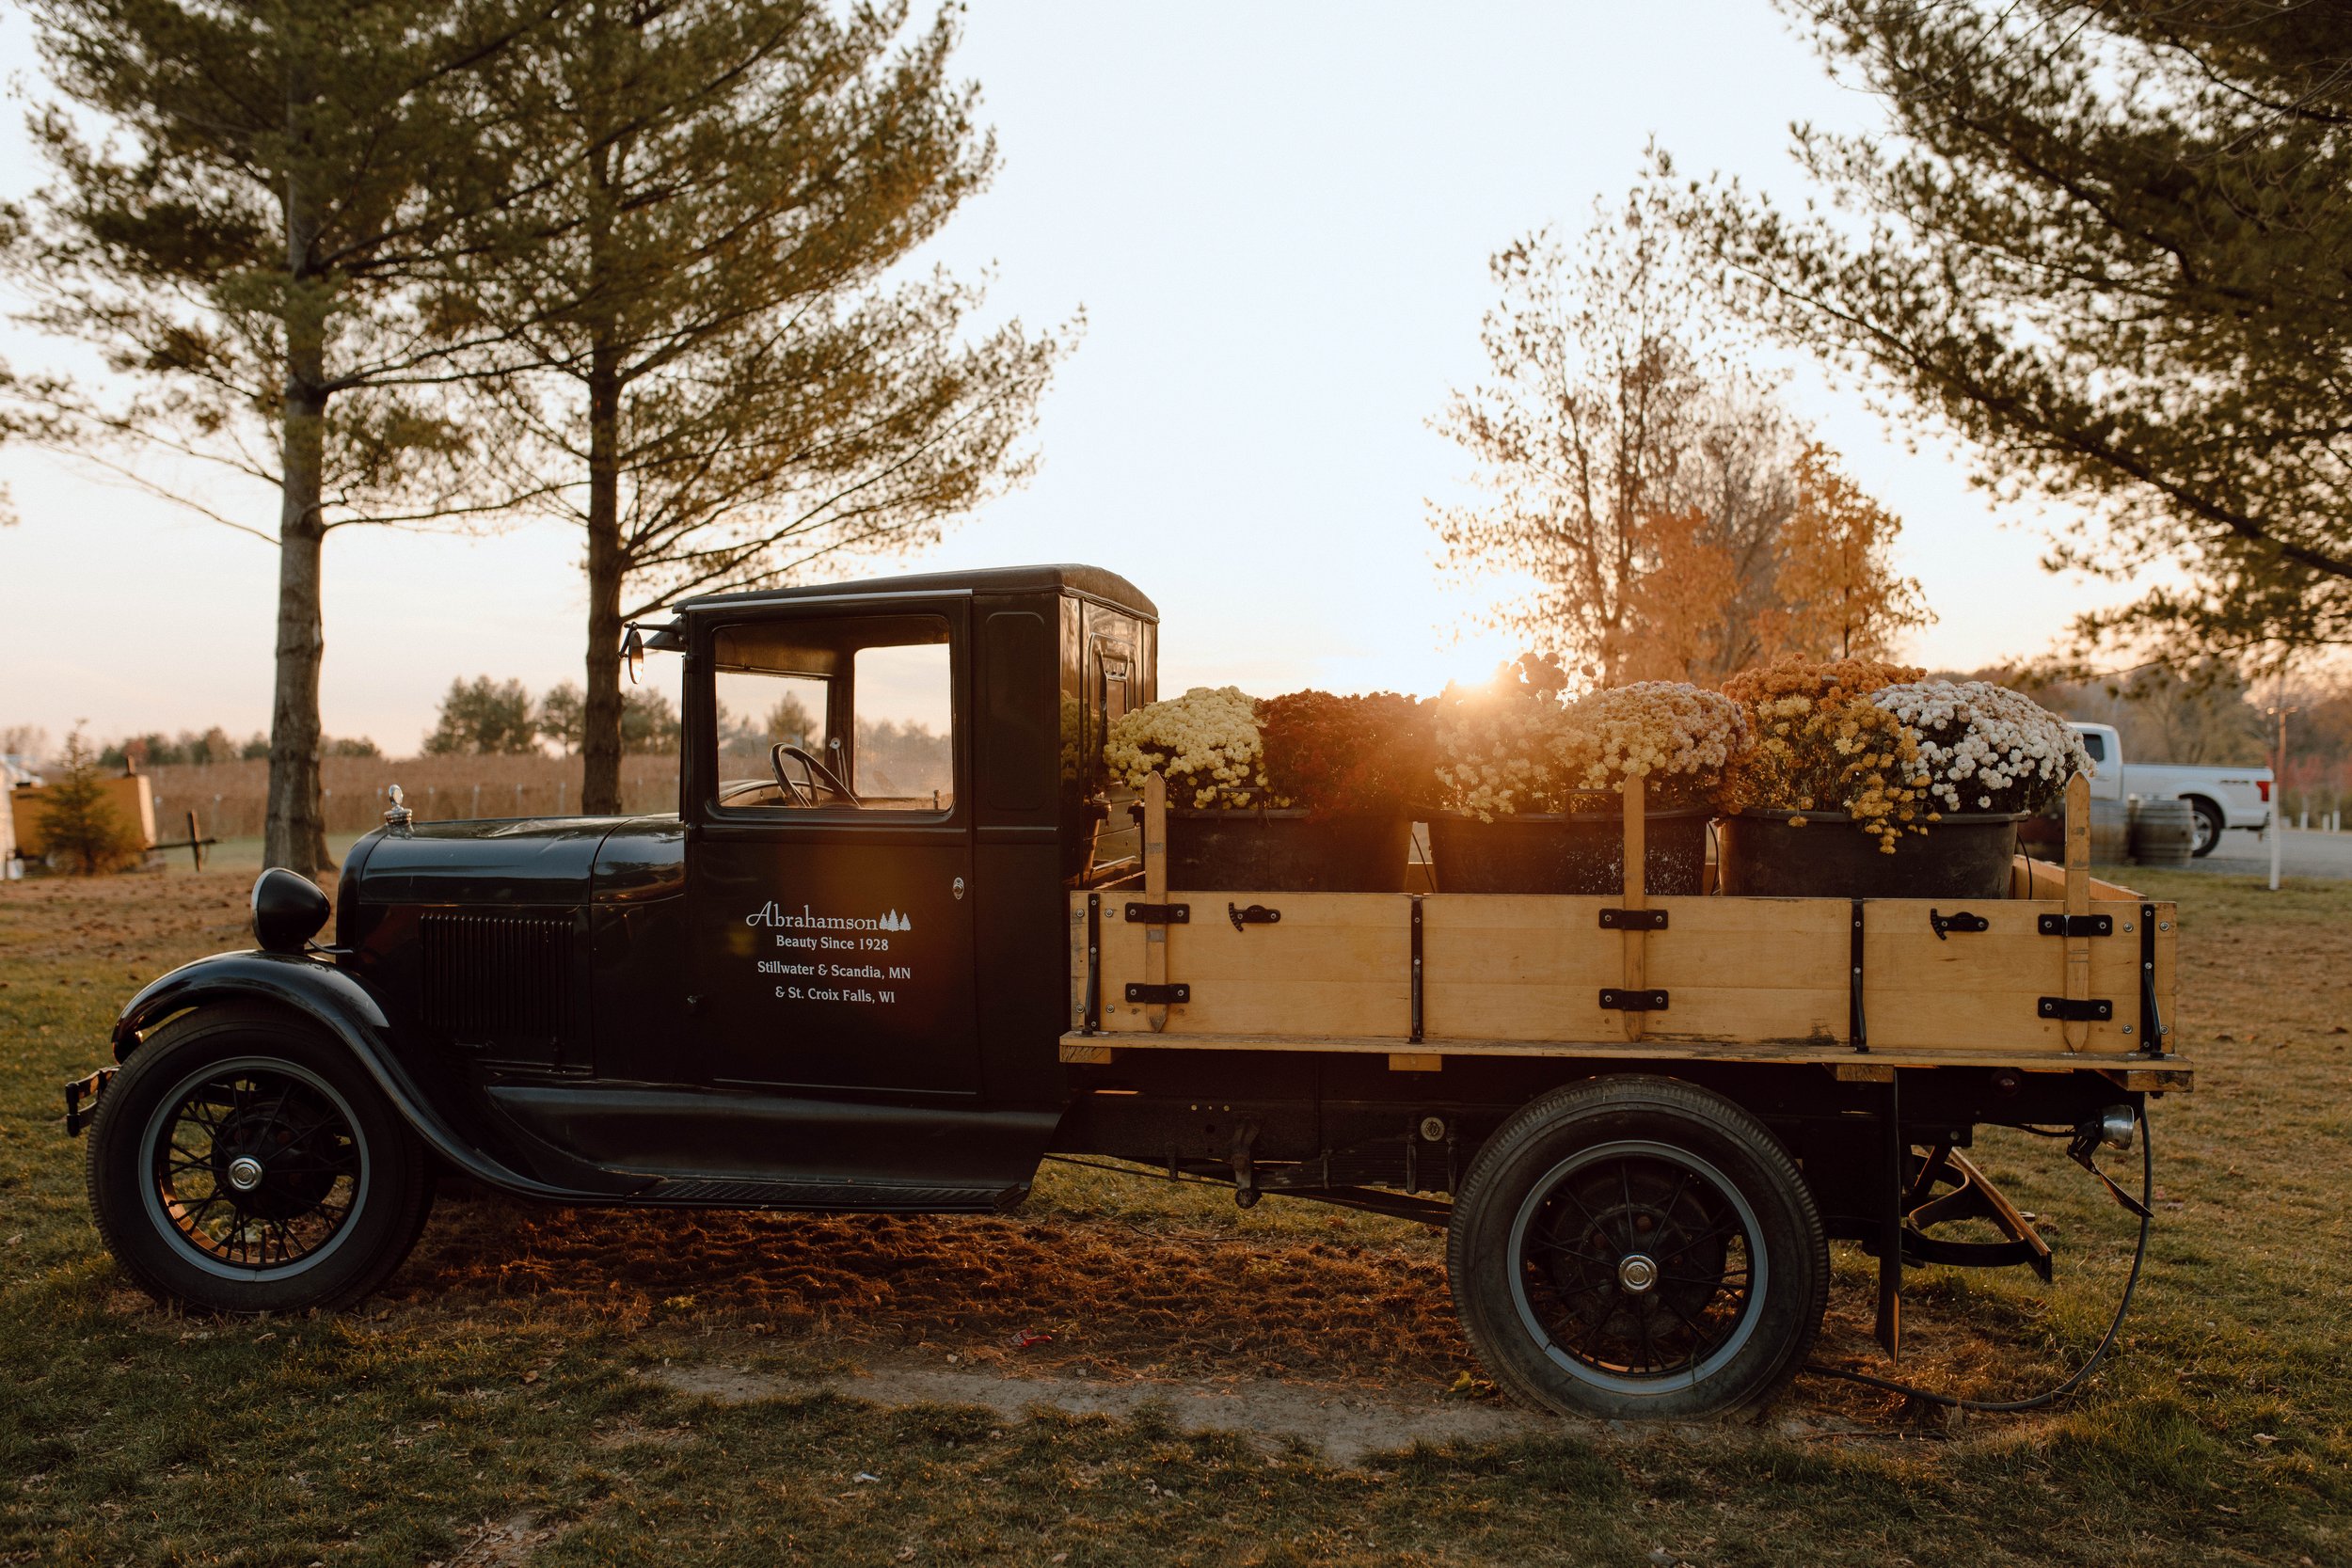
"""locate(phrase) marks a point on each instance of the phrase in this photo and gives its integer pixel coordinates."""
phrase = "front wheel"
(1636, 1247)
(242, 1162)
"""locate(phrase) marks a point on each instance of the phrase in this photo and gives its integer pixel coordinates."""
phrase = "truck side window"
(2096, 745)
(905, 757)
(1118, 840)
(835, 714)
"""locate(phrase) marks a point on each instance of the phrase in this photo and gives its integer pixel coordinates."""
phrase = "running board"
(828, 1197)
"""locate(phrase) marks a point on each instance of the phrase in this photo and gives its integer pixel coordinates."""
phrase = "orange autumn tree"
(1635, 476)
(1683, 622)
(1840, 595)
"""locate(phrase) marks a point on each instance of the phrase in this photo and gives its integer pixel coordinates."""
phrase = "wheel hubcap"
(245, 1173)
(1637, 1274)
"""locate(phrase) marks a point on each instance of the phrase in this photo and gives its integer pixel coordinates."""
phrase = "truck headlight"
(287, 910)
(2116, 1125)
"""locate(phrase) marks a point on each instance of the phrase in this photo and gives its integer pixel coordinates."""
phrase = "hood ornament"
(398, 817)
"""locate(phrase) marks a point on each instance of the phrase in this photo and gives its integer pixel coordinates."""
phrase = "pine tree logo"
(894, 921)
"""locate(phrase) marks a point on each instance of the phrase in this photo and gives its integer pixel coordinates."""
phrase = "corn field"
(230, 799)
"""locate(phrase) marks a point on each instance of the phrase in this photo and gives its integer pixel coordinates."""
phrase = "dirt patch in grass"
(143, 922)
(1344, 1422)
(1103, 1292)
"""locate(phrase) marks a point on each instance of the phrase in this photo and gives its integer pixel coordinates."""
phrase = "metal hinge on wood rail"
(2076, 925)
(1632, 1001)
(2067, 1011)
(1416, 1035)
(2151, 1026)
(1159, 914)
(1632, 920)
(1256, 915)
(1857, 1022)
(1094, 964)
(1159, 996)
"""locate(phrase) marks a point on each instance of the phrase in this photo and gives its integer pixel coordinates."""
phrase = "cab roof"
(1089, 581)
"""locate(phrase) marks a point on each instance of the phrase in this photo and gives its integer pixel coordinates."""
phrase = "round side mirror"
(633, 654)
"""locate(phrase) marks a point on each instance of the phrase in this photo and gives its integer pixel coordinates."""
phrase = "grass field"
(563, 1388)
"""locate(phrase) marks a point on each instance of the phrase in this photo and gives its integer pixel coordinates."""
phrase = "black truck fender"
(338, 1003)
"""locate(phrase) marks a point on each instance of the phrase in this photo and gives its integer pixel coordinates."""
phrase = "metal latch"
(1959, 920)
(2076, 925)
(1256, 915)
(1159, 996)
(2095, 1010)
(1632, 920)
(1159, 914)
(1633, 1001)
(91, 1089)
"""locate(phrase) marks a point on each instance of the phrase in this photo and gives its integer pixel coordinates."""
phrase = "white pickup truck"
(2225, 798)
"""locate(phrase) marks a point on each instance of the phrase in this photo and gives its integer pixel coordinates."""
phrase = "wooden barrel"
(2110, 833)
(2164, 832)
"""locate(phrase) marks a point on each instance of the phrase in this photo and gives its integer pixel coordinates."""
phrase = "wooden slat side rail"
(2163, 1072)
(1739, 969)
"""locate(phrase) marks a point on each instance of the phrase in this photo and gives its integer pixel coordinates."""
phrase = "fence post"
(477, 802)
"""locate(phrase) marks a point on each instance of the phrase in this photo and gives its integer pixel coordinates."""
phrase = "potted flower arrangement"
(1307, 792)
(1533, 785)
(1854, 760)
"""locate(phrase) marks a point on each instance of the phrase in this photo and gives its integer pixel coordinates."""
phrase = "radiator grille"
(497, 979)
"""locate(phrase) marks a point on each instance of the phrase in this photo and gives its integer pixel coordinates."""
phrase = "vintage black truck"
(891, 962)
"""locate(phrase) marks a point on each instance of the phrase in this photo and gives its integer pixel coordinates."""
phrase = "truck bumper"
(81, 1100)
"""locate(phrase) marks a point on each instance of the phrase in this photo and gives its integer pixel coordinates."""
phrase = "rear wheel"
(1637, 1247)
(242, 1162)
(2209, 825)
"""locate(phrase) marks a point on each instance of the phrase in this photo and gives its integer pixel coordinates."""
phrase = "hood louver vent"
(498, 982)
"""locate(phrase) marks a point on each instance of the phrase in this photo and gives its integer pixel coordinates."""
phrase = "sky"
(1277, 219)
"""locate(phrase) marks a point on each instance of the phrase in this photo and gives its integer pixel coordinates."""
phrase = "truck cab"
(815, 984)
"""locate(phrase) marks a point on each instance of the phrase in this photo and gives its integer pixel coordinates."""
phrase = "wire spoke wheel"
(1636, 1247)
(1636, 1264)
(254, 1167)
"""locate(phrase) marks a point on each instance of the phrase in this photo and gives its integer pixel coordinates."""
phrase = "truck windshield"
(837, 713)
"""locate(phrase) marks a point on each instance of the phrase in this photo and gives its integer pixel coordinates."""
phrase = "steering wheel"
(804, 790)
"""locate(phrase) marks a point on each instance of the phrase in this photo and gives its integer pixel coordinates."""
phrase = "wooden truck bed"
(1862, 987)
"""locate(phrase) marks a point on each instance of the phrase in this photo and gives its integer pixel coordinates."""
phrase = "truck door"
(829, 861)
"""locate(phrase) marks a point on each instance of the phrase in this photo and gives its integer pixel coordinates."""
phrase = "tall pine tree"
(242, 238)
(698, 310)
(2107, 243)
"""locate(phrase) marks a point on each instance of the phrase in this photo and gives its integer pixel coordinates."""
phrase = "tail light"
(2263, 785)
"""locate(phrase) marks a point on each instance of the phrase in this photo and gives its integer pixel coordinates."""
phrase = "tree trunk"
(600, 719)
(294, 828)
